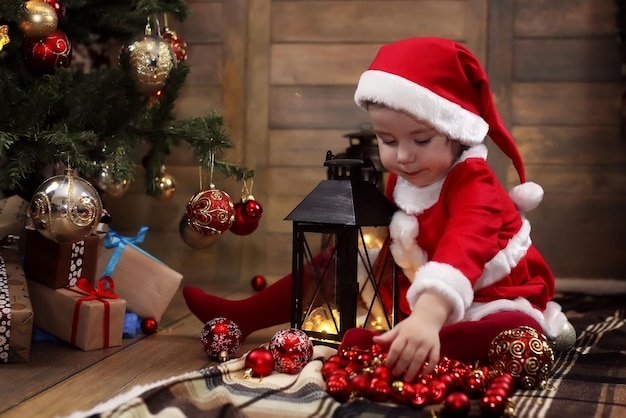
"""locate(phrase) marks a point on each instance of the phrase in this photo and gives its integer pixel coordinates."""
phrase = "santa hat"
(442, 83)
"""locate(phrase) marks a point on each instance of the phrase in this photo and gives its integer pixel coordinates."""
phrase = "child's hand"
(414, 342)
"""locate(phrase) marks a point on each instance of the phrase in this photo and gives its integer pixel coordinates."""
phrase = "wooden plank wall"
(561, 69)
(283, 75)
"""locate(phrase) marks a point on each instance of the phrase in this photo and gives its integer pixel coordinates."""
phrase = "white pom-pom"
(526, 196)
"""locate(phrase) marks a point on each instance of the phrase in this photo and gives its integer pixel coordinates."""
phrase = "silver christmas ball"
(65, 208)
(565, 340)
(193, 238)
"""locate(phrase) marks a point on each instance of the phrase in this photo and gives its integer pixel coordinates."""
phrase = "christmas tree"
(93, 115)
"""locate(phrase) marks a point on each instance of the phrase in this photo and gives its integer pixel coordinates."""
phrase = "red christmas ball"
(328, 368)
(360, 384)
(220, 338)
(338, 387)
(457, 404)
(438, 391)
(292, 350)
(179, 46)
(45, 55)
(383, 372)
(421, 395)
(242, 225)
(210, 212)
(258, 283)
(252, 210)
(379, 390)
(492, 405)
(149, 325)
(523, 353)
(260, 361)
(59, 8)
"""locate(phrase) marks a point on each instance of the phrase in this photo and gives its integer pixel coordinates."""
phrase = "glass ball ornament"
(109, 186)
(292, 349)
(148, 59)
(210, 211)
(179, 46)
(65, 208)
(193, 238)
(43, 56)
(165, 185)
(220, 338)
(565, 340)
(59, 8)
(525, 354)
(242, 225)
(40, 21)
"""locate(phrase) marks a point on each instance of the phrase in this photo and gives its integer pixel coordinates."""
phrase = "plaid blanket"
(587, 381)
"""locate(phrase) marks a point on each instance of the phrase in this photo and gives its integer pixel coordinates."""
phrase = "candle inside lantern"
(323, 319)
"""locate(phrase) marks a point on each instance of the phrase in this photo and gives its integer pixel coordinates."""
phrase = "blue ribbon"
(117, 241)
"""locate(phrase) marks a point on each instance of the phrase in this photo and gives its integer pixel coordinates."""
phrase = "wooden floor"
(60, 379)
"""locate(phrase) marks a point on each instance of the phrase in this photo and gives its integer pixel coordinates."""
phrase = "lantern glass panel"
(338, 288)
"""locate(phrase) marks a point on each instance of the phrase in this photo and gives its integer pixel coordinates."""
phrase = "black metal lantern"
(363, 145)
(335, 281)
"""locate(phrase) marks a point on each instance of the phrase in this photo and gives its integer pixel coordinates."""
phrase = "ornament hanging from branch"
(40, 21)
(149, 60)
(66, 208)
(248, 212)
(179, 46)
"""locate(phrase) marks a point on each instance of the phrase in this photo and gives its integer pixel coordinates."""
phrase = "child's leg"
(469, 342)
(269, 307)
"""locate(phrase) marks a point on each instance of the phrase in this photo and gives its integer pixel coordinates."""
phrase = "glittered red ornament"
(260, 362)
(258, 283)
(45, 55)
(149, 325)
(220, 338)
(179, 46)
(523, 353)
(292, 350)
(210, 212)
(252, 210)
(457, 404)
(241, 224)
(59, 8)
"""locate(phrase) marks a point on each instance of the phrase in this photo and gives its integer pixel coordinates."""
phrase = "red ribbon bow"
(101, 293)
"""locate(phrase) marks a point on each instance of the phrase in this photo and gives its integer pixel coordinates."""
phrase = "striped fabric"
(587, 381)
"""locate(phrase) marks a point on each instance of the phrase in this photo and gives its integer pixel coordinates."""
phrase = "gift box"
(13, 211)
(16, 312)
(147, 284)
(87, 317)
(58, 265)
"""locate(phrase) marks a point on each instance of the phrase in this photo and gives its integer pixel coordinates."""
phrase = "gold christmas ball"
(66, 208)
(149, 60)
(166, 186)
(193, 238)
(108, 185)
(40, 21)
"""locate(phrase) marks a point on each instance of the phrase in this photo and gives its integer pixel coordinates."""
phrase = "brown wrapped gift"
(59, 265)
(86, 317)
(147, 284)
(16, 312)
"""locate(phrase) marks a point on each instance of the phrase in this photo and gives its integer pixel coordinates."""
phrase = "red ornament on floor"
(258, 283)
(259, 362)
(292, 349)
(149, 325)
(220, 338)
(457, 404)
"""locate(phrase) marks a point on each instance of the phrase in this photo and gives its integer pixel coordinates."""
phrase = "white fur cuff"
(446, 281)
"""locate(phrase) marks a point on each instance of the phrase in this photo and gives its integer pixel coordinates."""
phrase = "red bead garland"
(355, 372)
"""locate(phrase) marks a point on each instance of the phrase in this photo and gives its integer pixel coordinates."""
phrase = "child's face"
(411, 148)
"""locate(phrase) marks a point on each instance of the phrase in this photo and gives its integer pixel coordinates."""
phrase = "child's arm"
(414, 342)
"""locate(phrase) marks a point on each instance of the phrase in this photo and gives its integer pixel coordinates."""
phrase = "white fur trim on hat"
(446, 281)
(526, 196)
(397, 92)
